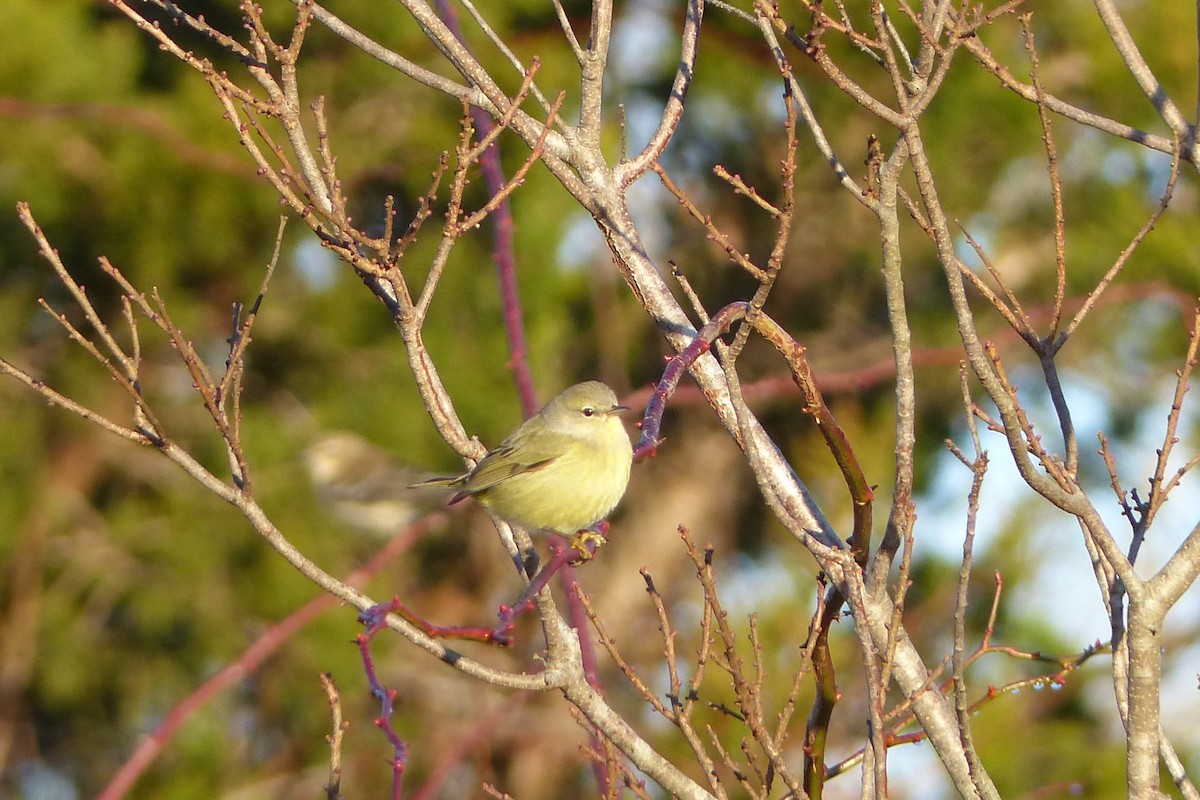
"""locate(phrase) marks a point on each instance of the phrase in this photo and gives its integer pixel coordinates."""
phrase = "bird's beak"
(618, 409)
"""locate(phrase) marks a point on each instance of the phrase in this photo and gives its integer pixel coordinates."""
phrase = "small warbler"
(563, 469)
(364, 487)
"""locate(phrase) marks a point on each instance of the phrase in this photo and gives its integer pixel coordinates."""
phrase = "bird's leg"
(587, 541)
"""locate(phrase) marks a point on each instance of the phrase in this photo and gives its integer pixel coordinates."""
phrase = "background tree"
(899, 189)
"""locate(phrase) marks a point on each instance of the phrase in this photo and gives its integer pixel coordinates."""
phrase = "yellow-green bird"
(563, 469)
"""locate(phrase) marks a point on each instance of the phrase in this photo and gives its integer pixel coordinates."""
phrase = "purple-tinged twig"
(835, 437)
(562, 554)
(375, 623)
(502, 232)
(682, 699)
(374, 617)
(253, 657)
(651, 423)
(500, 191)
(603, 757)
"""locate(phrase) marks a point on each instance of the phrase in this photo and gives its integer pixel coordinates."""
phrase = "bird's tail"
(454, 481)
(439, 482)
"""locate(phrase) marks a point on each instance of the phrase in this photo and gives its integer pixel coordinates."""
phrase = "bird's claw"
(586, 543)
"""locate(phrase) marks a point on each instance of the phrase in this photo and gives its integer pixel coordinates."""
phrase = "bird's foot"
(587, 541)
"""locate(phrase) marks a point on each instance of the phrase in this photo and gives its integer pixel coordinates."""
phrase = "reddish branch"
(502, 235)
(387, 698)
(862, 495)
(271, 640)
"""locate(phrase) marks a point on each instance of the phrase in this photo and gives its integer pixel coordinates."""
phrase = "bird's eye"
(588, 411)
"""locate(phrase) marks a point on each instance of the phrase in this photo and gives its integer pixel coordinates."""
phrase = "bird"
(364, 486)
(562, 470)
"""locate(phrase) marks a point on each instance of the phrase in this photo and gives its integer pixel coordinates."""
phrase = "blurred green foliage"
(126, 585)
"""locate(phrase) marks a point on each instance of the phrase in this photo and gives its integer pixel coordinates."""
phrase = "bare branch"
(1060, 244)
(634, 168)
(1140, 70)
(1074, 113)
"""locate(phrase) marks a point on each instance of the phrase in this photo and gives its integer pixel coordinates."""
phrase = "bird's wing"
(515, 458)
